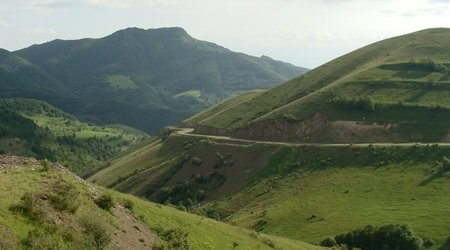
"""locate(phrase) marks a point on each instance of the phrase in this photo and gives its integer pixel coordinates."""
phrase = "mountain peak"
(174, 32)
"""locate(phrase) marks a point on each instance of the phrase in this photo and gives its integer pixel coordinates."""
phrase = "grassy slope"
(366, 71)
(146, 161)
(223, 106)
(349, 187)
(82, 146)
(203, 233)
(345, 189)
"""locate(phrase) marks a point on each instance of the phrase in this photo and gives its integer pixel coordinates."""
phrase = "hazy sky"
(303, 32)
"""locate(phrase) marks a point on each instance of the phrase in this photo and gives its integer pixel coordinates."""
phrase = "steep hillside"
(20, 78)
(395, 90)
(34, 128)
(293, 190)
(47, 207)
(149, 79)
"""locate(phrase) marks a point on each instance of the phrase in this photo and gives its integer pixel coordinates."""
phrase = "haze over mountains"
(145, 79)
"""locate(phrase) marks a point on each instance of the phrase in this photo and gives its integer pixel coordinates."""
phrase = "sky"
(306, 33)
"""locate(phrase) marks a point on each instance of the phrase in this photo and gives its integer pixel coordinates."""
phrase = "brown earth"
(131, 232)
(244, 161)
(315, 129)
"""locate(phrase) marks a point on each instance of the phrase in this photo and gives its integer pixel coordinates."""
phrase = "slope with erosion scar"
(143, 226)
(396, 88)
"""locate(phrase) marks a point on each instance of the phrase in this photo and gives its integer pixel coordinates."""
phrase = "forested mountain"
(146, 79)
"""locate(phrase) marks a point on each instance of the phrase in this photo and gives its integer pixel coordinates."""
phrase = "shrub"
(173, 238)
(365, 103)
(268, 242)
(445, 164)
(196, 161)
(45, 165)
(64, 196)
(105, 201)
(328, 242)
(384, 237)
(96, 231)
(127, 203)
(31, 205)
(45, 237)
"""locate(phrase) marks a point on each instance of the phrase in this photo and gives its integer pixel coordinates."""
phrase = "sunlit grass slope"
(312, 193)
(68, 230)
(402, 75)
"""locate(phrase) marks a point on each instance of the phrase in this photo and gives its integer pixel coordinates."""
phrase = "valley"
(359, 143)
(245, 152)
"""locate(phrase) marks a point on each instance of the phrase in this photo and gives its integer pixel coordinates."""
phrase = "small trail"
(190, 132)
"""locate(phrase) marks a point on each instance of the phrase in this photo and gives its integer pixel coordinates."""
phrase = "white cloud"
(130, 3)
(4, 24)
(42, 31)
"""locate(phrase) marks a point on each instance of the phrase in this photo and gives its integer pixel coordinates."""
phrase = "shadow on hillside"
(412, 74)
(437, 175)
(446, 245)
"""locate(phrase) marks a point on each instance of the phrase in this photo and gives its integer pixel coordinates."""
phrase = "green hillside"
(395, 90)
(317, 158)
(148, 79)
(34, 128)
(302, 192)
(20, 78)
(47, 207)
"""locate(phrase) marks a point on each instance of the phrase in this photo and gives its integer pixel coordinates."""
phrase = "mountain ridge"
(160, 75)
(407, 72)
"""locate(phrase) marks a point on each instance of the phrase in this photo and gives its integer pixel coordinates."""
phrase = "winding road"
(190, 132)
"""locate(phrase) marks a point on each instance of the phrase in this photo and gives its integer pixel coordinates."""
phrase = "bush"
(173, 238)
(96, 231)
(31, 205)
(445, 164)
(45, 237)
(105, 201)
(268, 242)
(45, 165)
(128, 204)
(365, 103)
(328, 242)
(64, 196)
(384, 237)
(196, 161)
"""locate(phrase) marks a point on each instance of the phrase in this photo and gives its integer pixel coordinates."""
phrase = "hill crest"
(373, 90)
(159, 75)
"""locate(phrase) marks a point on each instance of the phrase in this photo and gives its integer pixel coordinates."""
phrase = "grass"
(192, 93)
(61, 137)
(311, 193)
(138, 171)
(222, 106)
(121, 82)
(203, 233)
(382, 70)
(16, 183)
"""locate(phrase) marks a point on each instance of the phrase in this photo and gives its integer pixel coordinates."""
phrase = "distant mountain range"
(145, 79)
